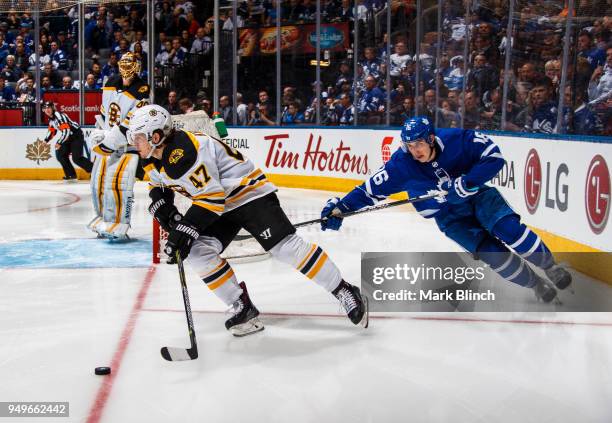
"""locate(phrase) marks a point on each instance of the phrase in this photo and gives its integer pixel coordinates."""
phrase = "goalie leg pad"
(309, 259)
(97, 192)
(119, 195)
(215, 271)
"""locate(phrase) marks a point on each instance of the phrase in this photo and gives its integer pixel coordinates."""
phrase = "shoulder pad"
(180, 154)
(139, 89)
(114, 81)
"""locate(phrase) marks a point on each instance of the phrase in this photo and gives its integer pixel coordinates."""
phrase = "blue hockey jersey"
(459, 152)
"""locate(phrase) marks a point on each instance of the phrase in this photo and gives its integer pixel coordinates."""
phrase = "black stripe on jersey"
(312, 260)
(241, 187)
(217, 274)
(211, 200)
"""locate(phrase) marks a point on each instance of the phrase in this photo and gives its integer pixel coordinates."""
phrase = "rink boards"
(560, 187)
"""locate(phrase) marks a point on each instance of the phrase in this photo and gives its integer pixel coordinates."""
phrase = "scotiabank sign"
(67, 101)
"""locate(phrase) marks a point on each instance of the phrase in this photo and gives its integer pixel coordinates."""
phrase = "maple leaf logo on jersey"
(37, 151)
(176, 155)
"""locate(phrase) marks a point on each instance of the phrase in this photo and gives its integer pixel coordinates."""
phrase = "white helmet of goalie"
(149, 120)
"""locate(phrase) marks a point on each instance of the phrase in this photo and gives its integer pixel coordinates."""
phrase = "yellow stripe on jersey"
(218, 194)
(247, 190)
(149, 167)
(109, 89)
(194, 140)
(98, 148)
(317, 267)
(128, 95)
(253, 175)
(212, 207)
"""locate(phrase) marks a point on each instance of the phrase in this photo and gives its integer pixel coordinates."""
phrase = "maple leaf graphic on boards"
(37, 151)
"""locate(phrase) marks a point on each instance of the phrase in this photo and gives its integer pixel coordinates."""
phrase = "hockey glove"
(333, 207)
(180, 239)
(457, 191)
(166, 214)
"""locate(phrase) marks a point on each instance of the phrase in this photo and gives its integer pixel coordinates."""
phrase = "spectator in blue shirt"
(4, 48)
(111, 68)
(292, 115)
(10, 71)
(595, 56)
(372, 99)
(58, 57)
(6, 93)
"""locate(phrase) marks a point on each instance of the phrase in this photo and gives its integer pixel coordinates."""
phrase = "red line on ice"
(430, 318)
(97, 408)
(75, 199)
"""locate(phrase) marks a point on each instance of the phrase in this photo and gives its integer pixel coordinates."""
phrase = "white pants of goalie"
(112, 192)
(219, 276)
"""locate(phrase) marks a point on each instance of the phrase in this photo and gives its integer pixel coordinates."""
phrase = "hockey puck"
(101, 371)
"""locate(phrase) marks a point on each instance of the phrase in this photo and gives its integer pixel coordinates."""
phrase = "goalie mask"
(129, 66)
(149, 120)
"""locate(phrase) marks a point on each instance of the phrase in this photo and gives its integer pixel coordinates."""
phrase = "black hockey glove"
(166, 214)
(180, 239)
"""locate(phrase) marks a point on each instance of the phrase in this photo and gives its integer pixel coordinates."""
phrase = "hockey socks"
(524, 241)
(309, 259)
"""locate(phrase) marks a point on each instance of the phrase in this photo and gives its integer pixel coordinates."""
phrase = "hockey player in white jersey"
(228, 193)
(116, 164)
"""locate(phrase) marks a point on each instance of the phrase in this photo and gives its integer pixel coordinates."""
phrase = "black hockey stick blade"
(179, 354)
(182, 354)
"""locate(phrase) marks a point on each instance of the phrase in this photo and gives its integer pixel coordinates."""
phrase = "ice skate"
(544, 290)
(244, 320)
(559, 276)
(354, 305)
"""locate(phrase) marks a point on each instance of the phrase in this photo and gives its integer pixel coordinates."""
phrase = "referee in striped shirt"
(68, 138)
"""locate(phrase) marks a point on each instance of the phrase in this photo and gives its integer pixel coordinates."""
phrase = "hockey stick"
(364, 210)
(181, 354)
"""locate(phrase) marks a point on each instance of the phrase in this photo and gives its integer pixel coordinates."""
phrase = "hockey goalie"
(116, 164)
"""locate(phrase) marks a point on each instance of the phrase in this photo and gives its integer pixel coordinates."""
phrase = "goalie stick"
(181, 354)
(364, 210)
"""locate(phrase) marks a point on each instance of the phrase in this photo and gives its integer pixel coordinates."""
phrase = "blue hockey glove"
(457, 191)
(333, 206)
(180, 239)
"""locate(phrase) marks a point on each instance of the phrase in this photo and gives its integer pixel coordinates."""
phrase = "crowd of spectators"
(442, 81)
(453, 88)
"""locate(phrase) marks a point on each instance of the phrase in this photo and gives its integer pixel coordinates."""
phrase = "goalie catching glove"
(334, 207)
(180, 239)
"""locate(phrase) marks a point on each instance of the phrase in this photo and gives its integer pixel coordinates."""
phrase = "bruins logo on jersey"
(176, 155)
(114, 114)
(143, 89)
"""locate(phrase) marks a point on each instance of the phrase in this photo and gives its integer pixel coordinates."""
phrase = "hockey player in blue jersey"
(472, 214)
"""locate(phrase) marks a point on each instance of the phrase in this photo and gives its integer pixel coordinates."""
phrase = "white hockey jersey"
(216, 177)
(118, 104)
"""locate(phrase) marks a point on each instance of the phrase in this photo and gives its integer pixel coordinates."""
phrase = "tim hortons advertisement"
(301, 38)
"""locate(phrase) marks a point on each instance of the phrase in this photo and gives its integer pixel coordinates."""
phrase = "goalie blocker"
(227, 193)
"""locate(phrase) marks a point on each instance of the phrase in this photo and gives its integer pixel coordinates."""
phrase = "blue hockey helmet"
(417, 128)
